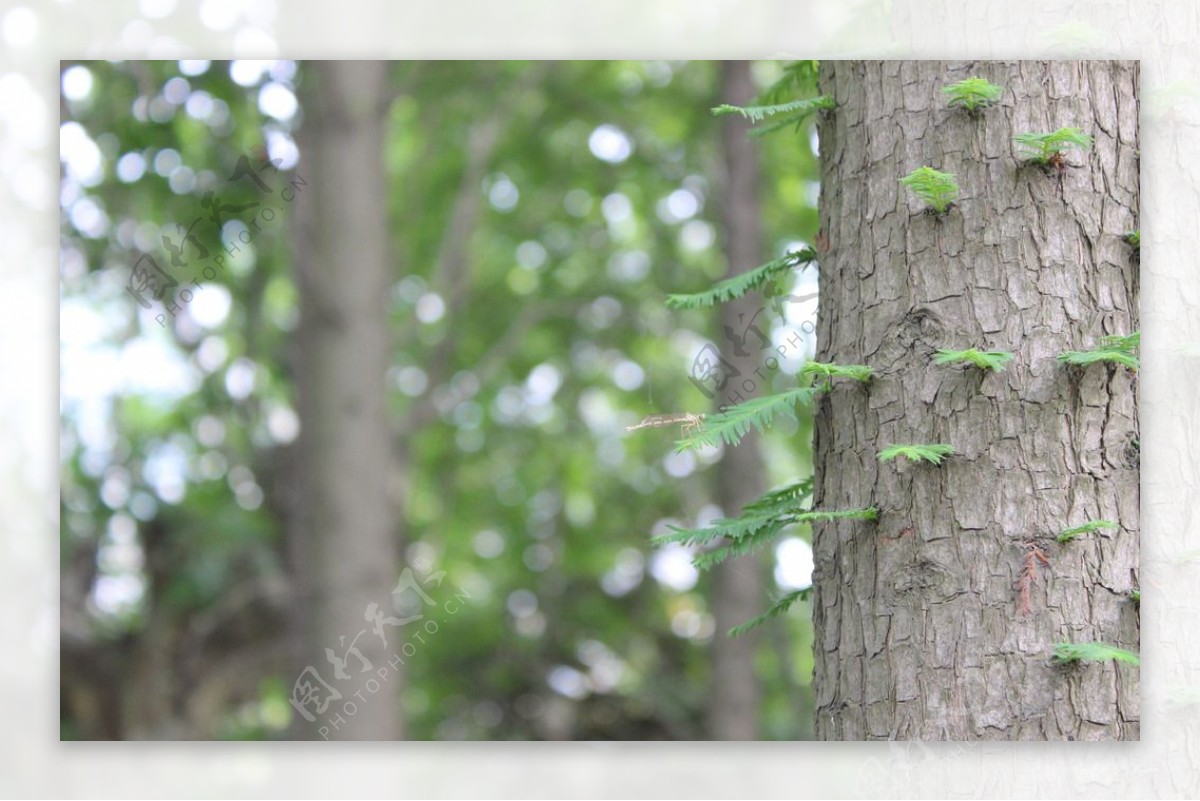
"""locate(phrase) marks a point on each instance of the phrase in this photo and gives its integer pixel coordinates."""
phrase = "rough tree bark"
(918, 632)
(738, 592)
(345, 554)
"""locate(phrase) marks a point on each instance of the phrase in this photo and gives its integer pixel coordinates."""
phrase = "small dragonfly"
(685, 420)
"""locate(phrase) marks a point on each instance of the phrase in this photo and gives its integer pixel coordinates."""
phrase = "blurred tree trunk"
(343, 536)
(738, 592)
(919, 627)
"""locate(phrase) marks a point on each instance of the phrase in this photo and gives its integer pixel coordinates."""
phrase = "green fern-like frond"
(777, 608)
(784, 499)
(938, 189)
(796, 119)
(1083, 358)
(1068, 534)
(748, 524)
(1093, 652)
(757, 413)
(752, 530)
(857, 372)
(1127, 343)
(822, 516)
(783, 114)
(739, 285)
(1134, 238)
(984, 360)
(1114, 349)
(1135, 596)
(972, 93)
(1040, 148)
(759, 523)
(756, 515)
(760, 113)
(917, 453)
(739, 547)
(744, 543)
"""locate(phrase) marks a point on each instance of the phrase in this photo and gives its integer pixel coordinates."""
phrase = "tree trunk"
(345, 552)
(738, 592)
(919, 626)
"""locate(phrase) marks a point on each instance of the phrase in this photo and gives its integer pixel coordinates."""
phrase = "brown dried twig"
(1033, 555)
(685, 420)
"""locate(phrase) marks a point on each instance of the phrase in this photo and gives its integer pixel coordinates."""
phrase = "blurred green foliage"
(601, 197)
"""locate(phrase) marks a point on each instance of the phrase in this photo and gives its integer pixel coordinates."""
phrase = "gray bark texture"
(919, 627)
(344, 549)
(738, 593)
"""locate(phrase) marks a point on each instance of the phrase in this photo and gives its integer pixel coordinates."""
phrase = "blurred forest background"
(536, 217)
